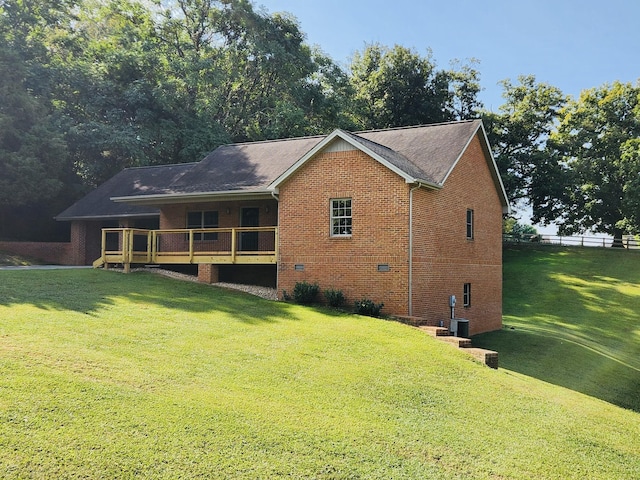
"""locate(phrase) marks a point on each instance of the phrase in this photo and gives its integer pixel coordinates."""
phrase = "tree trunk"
(617, 238)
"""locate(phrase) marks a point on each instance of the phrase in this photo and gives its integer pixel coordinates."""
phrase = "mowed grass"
(572, 318)
(104, 375)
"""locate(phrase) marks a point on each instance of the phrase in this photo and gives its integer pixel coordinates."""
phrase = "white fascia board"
(319, 146)
(506, 208)
(166, 198)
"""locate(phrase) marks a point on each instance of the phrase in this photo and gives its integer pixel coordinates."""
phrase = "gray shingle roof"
(425, 153)
(430, 151)
(97, 204)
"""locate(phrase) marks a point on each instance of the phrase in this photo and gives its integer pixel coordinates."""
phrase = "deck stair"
(488, 357)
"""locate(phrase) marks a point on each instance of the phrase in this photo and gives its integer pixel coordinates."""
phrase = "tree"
(397, 87)
(518, 134)
(31, 150)
(34, 158)
(597, 143)
(517, 230)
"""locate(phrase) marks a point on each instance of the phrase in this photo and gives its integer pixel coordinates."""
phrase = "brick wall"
(58, 253)
(443, 258)
(380, 206)
(86, 241)
(175, 216)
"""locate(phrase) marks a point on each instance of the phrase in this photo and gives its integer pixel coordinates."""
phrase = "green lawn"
(104, 375)
(572, 318)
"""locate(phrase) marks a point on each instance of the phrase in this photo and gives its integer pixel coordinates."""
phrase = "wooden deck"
(242, 245)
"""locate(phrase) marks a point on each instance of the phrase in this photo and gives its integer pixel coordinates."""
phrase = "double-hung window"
(208, 219)
(341, 217)
(469, 224)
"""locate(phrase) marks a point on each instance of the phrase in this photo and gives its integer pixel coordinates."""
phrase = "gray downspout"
(277, 199)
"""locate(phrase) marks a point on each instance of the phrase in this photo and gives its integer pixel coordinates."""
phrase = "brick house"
(406, 216)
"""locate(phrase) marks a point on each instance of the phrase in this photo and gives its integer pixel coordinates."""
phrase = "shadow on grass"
(572, 320)
(89, 291)
(566, 363)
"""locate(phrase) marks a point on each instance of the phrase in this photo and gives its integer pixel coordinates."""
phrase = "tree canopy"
(396, 87)
(89, 87)
(596, 144)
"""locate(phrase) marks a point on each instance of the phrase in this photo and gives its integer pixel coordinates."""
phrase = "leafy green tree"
(32, 151)
(518, 134)
(518, 230)
(597, 142)
(34, 160)
(397, 87)
(248, 72)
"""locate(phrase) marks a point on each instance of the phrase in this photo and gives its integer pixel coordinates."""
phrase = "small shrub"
(368, 307)
(305, 293)
(335, 298)
(285, 296)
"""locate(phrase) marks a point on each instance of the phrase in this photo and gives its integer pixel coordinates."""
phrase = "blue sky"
(571, 44)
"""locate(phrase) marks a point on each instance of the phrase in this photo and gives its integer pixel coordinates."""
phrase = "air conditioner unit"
(459, 327)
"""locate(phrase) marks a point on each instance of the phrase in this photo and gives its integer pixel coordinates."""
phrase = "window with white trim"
(466, 295)
(341, 217)
(207, 219)
(469, 224)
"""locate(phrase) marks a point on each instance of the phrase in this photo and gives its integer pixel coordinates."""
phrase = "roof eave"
(425, 183)
(171, 198)
(105, 217)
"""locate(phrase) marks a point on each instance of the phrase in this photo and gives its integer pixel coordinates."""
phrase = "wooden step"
(488, 357)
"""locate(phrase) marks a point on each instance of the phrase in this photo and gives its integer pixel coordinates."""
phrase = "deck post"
(233, 245)
(103, 248)
(126, 249)
(149, 251)
(154, 246)
(190, 246)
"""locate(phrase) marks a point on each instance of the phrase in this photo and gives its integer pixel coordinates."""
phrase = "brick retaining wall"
(59, 253)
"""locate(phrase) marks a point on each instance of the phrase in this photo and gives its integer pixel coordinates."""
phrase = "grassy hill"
(572, 318)
(104, 375)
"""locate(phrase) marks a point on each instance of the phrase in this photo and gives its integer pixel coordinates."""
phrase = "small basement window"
(466, 295)
(341, 217)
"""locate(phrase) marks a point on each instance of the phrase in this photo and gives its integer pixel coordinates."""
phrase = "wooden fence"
(628, 241)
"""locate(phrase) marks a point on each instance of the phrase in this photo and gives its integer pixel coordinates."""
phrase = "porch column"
(79, 242)
(207, 273)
